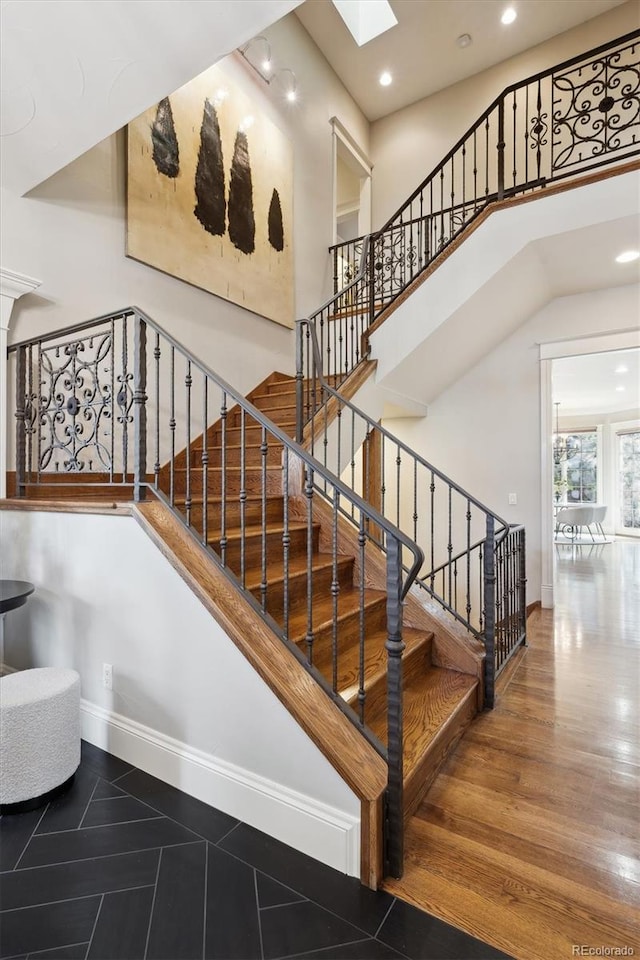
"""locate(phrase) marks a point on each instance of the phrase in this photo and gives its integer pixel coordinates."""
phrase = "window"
(576, 478)
(629, 479)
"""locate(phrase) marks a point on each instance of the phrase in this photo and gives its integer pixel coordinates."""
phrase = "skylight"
(366, 19)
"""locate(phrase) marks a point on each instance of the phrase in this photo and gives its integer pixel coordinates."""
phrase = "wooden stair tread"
(430, 703)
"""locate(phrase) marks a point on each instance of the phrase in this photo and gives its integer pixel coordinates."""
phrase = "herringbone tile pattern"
(124, 866)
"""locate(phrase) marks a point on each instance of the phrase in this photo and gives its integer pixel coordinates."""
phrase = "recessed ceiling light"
(628, 256)
(619, 389)
(464, 40)
(266, 66)
(508, 16)
(622, 369)
(385, 79)
(292, 96)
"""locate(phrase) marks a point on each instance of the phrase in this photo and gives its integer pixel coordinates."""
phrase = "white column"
(12, 286)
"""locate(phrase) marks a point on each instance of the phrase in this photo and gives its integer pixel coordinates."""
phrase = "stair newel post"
(522, 584)
(21, 433)
(489, 578)
(501, 148)
(394, 646)
(372, 280)
(299, 381)
(139, 409)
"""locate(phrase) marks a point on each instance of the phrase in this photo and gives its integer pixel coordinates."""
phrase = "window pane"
(629, 478)
(579, 472)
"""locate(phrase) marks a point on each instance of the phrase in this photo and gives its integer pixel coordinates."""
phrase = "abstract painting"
(210, 195)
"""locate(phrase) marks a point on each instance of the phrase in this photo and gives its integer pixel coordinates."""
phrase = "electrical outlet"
(107, 676)
(513, 499)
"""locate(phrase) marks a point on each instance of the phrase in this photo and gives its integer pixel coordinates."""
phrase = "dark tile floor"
(125, 866)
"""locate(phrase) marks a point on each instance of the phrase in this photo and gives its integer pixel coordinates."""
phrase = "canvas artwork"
(210, 195)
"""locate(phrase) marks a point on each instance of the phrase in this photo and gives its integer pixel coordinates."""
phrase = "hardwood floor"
(529, 838)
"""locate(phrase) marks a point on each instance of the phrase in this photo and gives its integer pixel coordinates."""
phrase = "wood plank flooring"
(529, 838)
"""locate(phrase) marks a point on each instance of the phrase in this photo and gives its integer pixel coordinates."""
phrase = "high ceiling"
(421, 50)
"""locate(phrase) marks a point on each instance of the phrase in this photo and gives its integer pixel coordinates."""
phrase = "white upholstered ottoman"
(39, 735)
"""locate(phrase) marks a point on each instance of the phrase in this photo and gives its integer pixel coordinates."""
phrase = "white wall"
(408, 144)
(70, 231)
(484, 430)
(185, 704)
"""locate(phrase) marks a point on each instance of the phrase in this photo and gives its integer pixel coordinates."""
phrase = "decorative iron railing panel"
(121, 401)
(561, 123)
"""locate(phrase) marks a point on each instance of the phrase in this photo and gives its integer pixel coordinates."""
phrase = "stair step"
(271, 401)
(252, 480)
(375, 613)
(438, 707)
(273, 511)
(279, 414)
(253, 543)
(416, 659)
(233, 453)
(322, 578)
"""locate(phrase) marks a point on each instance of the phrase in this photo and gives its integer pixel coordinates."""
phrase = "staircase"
(439, 703)
(255, 488)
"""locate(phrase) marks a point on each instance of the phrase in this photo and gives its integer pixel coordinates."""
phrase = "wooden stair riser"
(252, 434)
(270, 401)
(298, 587)
(279, 415)
(253, 546)
(253, 511)
(100, 493)
(234, 482)
(233, 454)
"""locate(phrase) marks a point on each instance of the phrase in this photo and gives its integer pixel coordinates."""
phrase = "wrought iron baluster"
(432, 491)
(140, 409)
(395, 648)
(486, 156)
(489, 584)
(501, 147)
(122, 399)
(286, 543)
(398, 482)
(526, 134)
(29, 408)
(112, 396)
(243, 499)
(172, 429)
(223, 479)
(353, 458)
(156, 463)
(335, 592)
(205, 459)
(362, 542)
(515, 140)
(308, 490)
(21, 391)
(449, 541)
(468, 604)
(415, 500)
(453, 199)
(187, 383)
(264, 449)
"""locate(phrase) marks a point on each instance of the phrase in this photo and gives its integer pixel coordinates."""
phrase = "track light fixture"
(257, 53)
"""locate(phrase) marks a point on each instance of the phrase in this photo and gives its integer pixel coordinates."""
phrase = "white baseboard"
(314, 828)
(546, 596)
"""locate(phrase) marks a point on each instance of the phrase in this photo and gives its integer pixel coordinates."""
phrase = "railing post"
(139, 409)
(522, 584)
(394, 647)
(372, 278)
(501, 148)
(299, 382)
(489, 576)
(21, 434)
